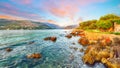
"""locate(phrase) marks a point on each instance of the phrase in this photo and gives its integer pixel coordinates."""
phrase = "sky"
(60, 12)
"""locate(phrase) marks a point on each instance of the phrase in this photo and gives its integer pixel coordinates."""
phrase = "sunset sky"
(60, 12)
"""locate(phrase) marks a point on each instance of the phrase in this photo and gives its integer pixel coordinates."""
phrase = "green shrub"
(104, 24)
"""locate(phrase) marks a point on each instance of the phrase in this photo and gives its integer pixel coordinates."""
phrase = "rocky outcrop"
(34, 56)
(51, 39)
(104, 51)
(96, 54)
(83, 41)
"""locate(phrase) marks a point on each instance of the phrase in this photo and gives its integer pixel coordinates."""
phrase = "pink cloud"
(13, 10)
(67, 8)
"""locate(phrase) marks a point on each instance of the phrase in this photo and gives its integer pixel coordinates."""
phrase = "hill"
(24, 24)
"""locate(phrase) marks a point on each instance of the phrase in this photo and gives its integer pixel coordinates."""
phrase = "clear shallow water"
(54, 55)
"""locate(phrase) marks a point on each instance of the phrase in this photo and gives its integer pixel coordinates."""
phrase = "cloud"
(66, 8)
(3, 16)
(26, 2)
(15, 11)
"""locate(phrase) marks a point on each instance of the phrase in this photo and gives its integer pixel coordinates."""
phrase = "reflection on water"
(54, 54)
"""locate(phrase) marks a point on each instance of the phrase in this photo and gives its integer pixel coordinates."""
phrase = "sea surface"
(57, 54)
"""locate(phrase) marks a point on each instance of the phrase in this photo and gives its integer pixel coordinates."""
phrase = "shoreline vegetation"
(101, 38)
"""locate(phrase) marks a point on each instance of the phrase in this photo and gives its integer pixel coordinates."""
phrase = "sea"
(59, 54)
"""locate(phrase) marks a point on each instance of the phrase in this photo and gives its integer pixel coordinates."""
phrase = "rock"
(77, 33)
(68, 36)
(8, 49)
(92, 42)
(83, 41)
(95, 53)
(82, 34)
(51, 38)
(75, 48)
(71, 57)
(47, 38)
(34, 56)
(116, 41)
(31, 42)
(104, 41)
(73, 43)
(116, 50)
(111, 63)
(81, 50)
(87, 58)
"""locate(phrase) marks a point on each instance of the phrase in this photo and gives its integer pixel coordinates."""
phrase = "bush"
(104, 24)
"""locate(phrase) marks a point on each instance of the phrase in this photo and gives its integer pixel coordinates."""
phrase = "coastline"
(102, 48)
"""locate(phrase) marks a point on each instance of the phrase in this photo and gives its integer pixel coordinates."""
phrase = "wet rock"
(34, 56)
(8, 49)
(81, 50)
(83, 41)
(71, 57)
(73, 43)
(75, 48)
(31, 42)
(68, 36)
(51, 38)
(47, 38)
(81, 34)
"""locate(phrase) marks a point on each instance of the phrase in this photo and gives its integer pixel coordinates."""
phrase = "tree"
(104, 24)
(109, 17)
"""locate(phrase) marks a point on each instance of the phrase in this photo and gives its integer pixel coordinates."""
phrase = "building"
(116, 27)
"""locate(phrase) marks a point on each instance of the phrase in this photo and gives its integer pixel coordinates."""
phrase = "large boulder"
(83, 41)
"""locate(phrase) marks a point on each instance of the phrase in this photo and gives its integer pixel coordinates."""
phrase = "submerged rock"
(8, 49)
(68, 36)
(51, 38)
(31, 42)
(34, 56)
(73, 43)
(83, 41)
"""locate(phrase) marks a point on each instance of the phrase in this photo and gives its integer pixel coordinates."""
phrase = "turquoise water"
(54, 54)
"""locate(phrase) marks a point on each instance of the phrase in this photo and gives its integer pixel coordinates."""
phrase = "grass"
(116, 33)
(98, 31)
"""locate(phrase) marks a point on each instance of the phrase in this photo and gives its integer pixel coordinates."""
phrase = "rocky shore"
(104, 48)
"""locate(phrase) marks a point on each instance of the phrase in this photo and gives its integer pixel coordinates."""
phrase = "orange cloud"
(13, 10)
(10, 17)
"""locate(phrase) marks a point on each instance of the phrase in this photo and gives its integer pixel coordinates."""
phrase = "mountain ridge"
(25, 24)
